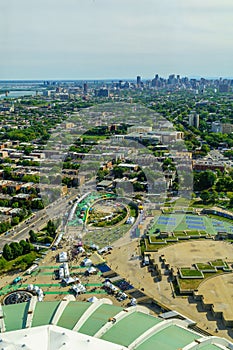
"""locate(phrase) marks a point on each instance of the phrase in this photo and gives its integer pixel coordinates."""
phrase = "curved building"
(69, 324)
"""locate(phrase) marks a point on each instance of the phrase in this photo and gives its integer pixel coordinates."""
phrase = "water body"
(21, 93)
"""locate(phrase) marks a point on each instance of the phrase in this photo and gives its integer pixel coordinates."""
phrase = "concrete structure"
(227, 128)
(194, 119)
(71, 325)
(216, 127)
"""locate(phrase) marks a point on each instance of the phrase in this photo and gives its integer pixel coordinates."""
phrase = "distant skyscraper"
(85, 88)
(154, 81)
(102, 92)
(172, 79)
(139, 81)
(224, 87)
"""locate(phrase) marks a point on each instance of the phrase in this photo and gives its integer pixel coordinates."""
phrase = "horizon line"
(117, 79)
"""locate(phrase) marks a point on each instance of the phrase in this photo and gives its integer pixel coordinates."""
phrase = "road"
(36, 222)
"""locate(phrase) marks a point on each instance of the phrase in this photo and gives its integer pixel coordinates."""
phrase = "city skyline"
(96, 39)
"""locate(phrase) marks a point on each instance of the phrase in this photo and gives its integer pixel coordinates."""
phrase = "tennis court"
(182, 222)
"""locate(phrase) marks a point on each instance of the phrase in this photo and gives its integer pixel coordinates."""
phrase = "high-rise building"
(139, 81)
(224, 88)
(216, 127)
(85, 88)
(155, 81)
(171, 79)
(194, 119)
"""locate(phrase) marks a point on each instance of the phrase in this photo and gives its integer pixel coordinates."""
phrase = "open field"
(218, 291)
(191, 252)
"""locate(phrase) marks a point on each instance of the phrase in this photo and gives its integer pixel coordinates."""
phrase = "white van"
(146, 260)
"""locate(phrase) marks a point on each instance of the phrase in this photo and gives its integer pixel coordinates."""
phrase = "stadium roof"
(53, 338)
(68, 324)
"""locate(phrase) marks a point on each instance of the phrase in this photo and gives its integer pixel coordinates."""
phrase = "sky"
(107, 39)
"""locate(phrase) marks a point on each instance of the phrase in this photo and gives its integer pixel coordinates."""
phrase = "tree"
(51, 228)
(118, 172)
(15, 205)
(7, 253)
(26, 246)
(205, 149)
(32, 236)
(15, 220)
(224, 184)
(16, 249)
(204, 180)
(2, 263)
(208, 197)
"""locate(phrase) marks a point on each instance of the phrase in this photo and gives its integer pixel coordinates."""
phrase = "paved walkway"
(125, 260)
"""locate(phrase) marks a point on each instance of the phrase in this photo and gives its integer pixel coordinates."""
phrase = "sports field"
(189, 222)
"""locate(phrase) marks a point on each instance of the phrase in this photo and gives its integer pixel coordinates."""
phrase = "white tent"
(79, 288)
(30, 287)
(111, 286)
(107, 284)
(81, 250)
(133, 302)
(87, 262)
(69, 280)
(36, 289)
(63, 257)
(91, 270)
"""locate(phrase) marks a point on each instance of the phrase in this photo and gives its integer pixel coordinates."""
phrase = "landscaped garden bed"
(186, 272)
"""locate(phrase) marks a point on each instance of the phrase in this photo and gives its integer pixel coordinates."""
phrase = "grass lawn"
(189, 284)
(153, 247)
(186, 272)
(22, 262)
(204, 266)
(153, 239)
(180, 234)
(218, 262)
(182, 202)
(192, 233)
(192, 284)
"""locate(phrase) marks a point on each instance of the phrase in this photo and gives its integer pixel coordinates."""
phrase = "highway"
(57, 209)
(38, 220)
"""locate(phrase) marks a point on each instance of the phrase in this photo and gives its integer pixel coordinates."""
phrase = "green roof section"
(72, 313)
(125, 331)
(169, 338)
(99, 318)
(15, 316)
(207, 347)
(44, 312)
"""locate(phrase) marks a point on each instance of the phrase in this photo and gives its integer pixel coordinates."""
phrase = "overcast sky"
(94, 39)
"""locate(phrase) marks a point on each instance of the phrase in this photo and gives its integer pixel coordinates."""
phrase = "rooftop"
(98, 325)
